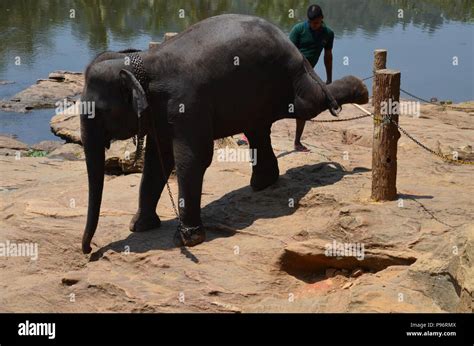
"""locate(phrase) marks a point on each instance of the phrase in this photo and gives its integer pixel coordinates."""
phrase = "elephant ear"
(139, 100)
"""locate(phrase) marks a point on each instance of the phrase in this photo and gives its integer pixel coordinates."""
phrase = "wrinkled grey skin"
(232, 74)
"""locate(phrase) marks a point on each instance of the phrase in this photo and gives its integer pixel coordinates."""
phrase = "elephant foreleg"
(152, 183)
(193, 155)
(265, 171)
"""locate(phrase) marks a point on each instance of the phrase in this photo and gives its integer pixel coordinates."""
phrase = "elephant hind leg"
(152, 183)
(265, 168)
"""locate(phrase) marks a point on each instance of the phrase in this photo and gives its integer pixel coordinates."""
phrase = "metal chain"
(430, 213)
(141, 75)
(172, 200)
(184, 231)
(443, 157)
(337, 120)
(323, 121)
(429, 102)
(424, 147)
(138, 142)
(437, 104)
(173, 204)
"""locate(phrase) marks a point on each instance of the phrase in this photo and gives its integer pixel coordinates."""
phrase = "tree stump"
(166, 37)
(386, 135)
(169, 35)
(153, 45)
(380, 62)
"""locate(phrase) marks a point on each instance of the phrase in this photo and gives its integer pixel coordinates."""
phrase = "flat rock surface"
(45, 93)
(47, 146)
(9, 142)
(67, 126)
(10, 146)
(265, 251)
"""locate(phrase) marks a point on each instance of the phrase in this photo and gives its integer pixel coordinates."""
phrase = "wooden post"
(169, 35)
(386, 135)
(166, 37)
(152, 45)
(380, 62)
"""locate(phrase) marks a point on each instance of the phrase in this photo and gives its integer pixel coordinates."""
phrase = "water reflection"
(422, 44)
(27, 26)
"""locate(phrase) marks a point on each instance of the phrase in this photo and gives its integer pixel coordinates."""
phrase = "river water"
(429, 41)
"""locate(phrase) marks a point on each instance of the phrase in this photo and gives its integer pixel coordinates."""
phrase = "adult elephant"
(222, 76)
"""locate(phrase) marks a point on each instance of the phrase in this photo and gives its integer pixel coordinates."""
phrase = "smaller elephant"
(222, 76)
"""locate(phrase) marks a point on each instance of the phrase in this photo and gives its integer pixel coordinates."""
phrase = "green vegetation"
(36, 153)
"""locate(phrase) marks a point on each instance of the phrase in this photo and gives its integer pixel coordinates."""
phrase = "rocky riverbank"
(59, 85)
(265, 251)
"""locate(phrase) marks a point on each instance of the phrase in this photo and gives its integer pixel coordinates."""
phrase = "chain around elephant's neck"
(139, 72)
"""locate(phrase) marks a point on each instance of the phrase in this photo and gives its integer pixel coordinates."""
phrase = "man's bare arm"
(328, 65)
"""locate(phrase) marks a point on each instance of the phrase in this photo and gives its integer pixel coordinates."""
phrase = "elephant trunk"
(311, 99)
(93, 139)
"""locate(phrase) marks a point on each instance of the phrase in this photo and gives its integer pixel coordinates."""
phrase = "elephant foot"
(263, 180)
(189, 236)
(143, 223)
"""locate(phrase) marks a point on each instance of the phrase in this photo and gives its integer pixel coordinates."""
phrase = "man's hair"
(314, 11)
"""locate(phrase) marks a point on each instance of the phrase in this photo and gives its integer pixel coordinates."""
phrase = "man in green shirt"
(310, 37)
